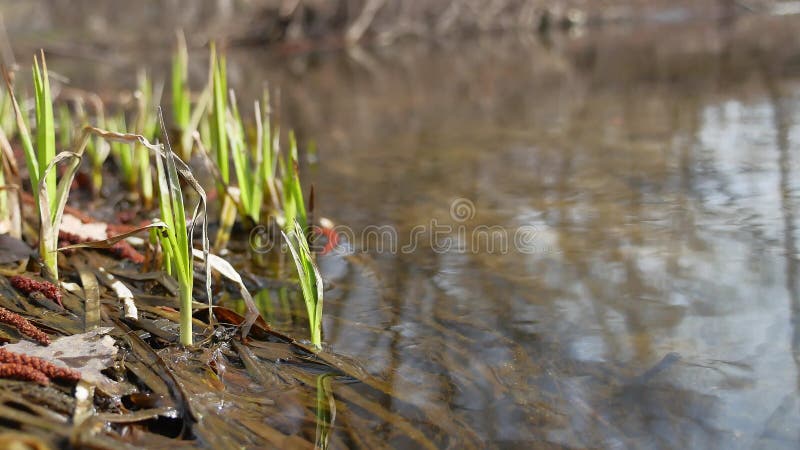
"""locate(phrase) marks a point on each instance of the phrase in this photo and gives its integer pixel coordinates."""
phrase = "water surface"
(659, 182)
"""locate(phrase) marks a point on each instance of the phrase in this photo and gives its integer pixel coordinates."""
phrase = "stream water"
(578, 241)
(647, 191)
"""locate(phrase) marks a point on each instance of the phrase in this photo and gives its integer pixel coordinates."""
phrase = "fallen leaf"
(89, 353)
(226, 269)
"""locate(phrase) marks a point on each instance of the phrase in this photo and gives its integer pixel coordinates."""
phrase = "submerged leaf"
(89, 353)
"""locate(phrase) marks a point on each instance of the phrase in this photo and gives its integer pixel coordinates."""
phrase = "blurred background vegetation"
(381, 21)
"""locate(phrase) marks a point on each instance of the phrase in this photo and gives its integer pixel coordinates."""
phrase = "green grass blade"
(176, 241)
(180, 85)
(294, 205)
(48, 235)
(25, 138)
(241, 163)
(45, 126)
(144, 126)
(310, 280)
(218, 114)
(65, 126)
(256, 177)
(123, 151)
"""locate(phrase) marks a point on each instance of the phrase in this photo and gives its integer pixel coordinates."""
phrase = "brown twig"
(121, 249)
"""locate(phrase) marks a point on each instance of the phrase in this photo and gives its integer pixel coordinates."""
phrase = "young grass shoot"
(174, 238)
(294, 209)
(255, 162)
(310, 280)
(181, 98)
(38, 158)
(145, 126)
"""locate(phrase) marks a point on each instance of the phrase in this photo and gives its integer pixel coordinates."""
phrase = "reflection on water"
(659, 305)
(326, 410)
(660, 181)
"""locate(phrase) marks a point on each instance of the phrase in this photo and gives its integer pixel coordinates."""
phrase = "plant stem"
(226, 221)
(145, 176)
(185, 293)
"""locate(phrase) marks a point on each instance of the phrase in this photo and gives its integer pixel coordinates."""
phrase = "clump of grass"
(45, 129)
(255, 169)
(123, 152)
(218, 128)
(268, 135)
(254, 166)
(245, 177)
(65, 126)
(174, 239)
(181, 97)
(310, 280)
(254, 162)
(98, 148)
(218, 114)
(49, 195)
(175, 236)
(145, 125)
(38, 158)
